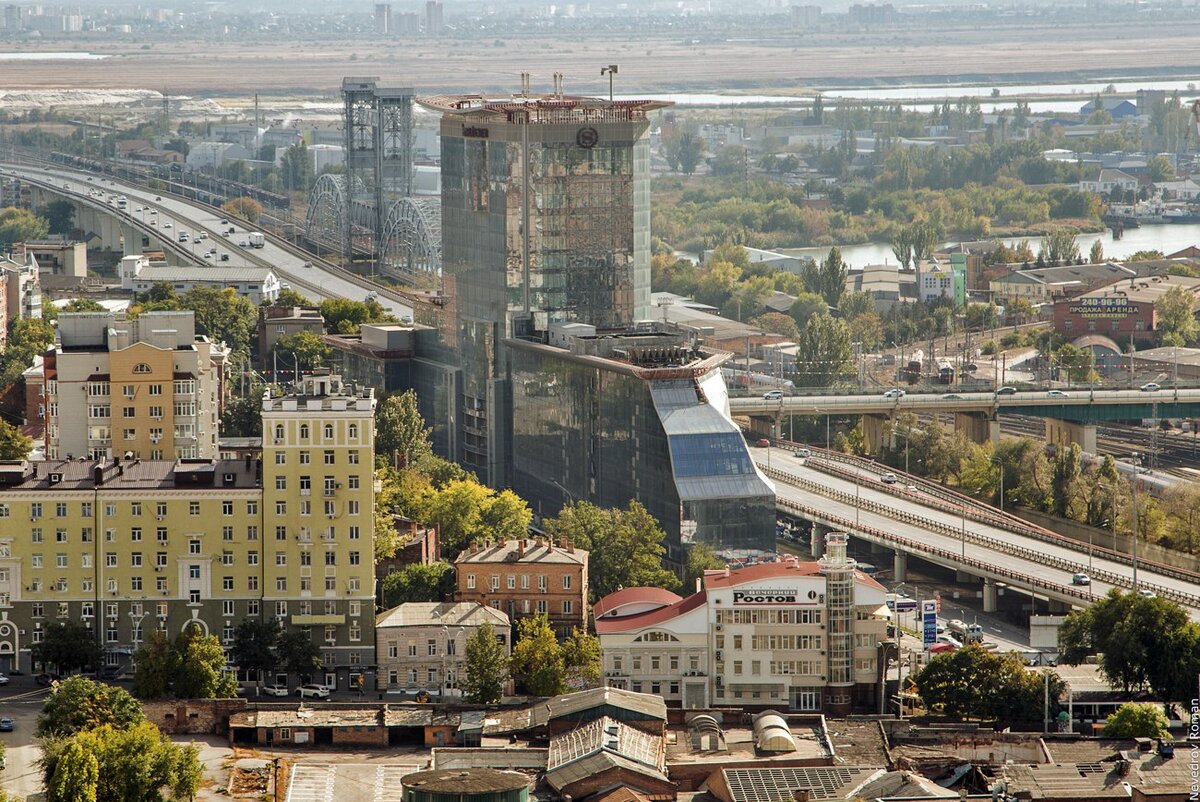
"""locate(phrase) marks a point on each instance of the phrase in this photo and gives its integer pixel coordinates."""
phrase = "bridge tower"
(838, 569)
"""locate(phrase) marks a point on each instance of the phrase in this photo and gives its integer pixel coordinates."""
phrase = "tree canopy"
(418, 582)
(69, 646)
(78, 703)
(20, 225)
(193, 667)
(973, 683)
(1137, 720)
(401, 435)
(485, 668)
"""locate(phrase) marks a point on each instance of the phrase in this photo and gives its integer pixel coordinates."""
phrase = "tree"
(155, 665)
(485, 668)
(13, 444)
(777, 323)
(418, 582)
(625, 546)
(297, 167)
(401, 435)
(824, 351)
(343, 316)
(1176, 312)
(20, 225)
(1137, 720)
(1096, 255)
(78, 703)
(1129, 632)
(731, 160)
(1060, 247)
(304, 349)
(297, 653)
(461, 511)
(1144, 256)
(223, 315)
(700, 558)
(289, 297)
(537, 660)
(1160, 169)
(242, 417)
(59, 216)
(68, 647)
(833, 277)
(973, 683)
(134, 763)
(253, 647)
(247, 209)
(806, 306)
(581, 657)
(201, 667)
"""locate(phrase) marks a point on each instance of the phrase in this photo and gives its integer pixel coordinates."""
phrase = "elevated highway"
(300, 270)
(932, 523)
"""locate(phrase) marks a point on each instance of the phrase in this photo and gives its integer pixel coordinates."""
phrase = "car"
(158, 197)
(154, 211)
(770, 395)
(1150, 387)
(202, 235)
(45, 678)
(138, 209)
(312, 692)
(889, 479)
(762, 442)
(1006, 390)
(224, 257)
(243, 244)
(6, 724)
(275, 690)
(224, 221)
(1056, 394)
(208, 256)
(3, 679)
(1147, 594)
(911, 488)
(941, 627)
(802, 453)
(955, 642)
(225, 234)
(952, 397)
(232, 229)
(895, 392)
(166, 225)
(1080, 579)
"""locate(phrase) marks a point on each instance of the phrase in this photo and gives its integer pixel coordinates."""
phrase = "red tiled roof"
(727, 578)
(625, 596)
(651, 617)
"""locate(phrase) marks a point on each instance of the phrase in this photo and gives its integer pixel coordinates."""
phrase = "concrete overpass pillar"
(974, 425)
(994, 430)
(132, 240)
(816, 543)
(1062, 433)
(990, 596)
(900, 567)
(875, 433)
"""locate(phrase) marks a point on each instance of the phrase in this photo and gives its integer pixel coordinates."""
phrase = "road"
(165, 216)
(866, 487)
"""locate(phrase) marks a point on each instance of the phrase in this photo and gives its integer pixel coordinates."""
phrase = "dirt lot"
(781, 65)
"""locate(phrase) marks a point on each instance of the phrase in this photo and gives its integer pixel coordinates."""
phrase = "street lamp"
(610, 71)
(1000, 464)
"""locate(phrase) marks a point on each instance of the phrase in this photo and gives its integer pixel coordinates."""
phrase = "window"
(329, 431)
(156, 413)
(352, 430)
(329, 458)
(279, 431)
(135, 559)
(566, 582)
(226, 533)
(155, 389)
(60, 561)
(281, 508)
(227, 583)
(566, 607)
(135, 534)
(227, 508)
(110, 559)
(160, 509)
(281, 583)
(193, 546)
(352, 483)
(331, 558)
(252, 558)
(60, 510)
(512, 582)
(303, 431)
(305, 458)
(354, 558)
(128, 412)
(352, 458)
(281, 483)
(354, 533)
(351, 508)
(542, 607)
(160, 559)
(470, 581)
(193, 572)
(281, 558)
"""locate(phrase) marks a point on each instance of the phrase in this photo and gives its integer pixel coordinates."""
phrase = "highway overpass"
(162, 215)
(1071, 415)
(924, 520)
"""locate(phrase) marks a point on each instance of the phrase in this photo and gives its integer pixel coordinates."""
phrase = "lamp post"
(610, 71)
(1000, 464)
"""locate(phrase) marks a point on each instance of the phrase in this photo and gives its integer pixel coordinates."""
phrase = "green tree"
(59, 216)
(833, 277)
(1176, 312)
(688, 152)
(242, 417)
(1137, 720)
(1096, 255)
(134, 763)
(304, 349)
(253, 647)
(625, 546)
(462, 512)
(700, 558)
(76, 775)
(485, 667)
(343, 316)
(1128, 631)
(223, 315)
(974, 683)
(297, 653)
(823, 352)
(537, 662)
(20, 225)
(289, 297)
(68, 646)
(581, 658)
(297, 167)
(1144, 256)
(1160, 169)
(155, 665)
(418, 582)
(246, 209)
(27, 338)
(78, 703)
(777, 323)
(731, 160)
(201, 667)
(1060, 247)
(806, 306)
(401, 435)
(13, 444)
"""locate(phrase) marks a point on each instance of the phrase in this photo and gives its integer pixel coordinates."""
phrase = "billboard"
(929, 610)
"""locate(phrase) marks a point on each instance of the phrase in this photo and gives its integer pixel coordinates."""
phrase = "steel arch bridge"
(326, 218)
(410, 245)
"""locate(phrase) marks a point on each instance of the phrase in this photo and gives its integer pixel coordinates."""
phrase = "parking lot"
(347, 782)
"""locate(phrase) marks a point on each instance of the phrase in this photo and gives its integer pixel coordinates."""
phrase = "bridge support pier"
(978, 427)
(900, 567)
(990, 596)
(816, 542)
(1062, 433)
(876, 433)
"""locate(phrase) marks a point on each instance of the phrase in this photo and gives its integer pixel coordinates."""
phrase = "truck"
(967, 633)
(256, 239)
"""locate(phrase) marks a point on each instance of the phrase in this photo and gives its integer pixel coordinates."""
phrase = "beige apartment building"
(525, 577)
(422, 646)
(147, 387)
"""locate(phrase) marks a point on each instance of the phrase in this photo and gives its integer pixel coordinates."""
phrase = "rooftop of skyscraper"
(552, 108)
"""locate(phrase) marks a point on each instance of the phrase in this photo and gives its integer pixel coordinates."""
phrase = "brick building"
(526, 577)
(1125, 310)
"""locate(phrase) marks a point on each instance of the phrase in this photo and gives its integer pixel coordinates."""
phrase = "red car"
(762, 442)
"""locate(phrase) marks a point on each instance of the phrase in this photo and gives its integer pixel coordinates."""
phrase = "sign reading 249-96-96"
(1108, 306)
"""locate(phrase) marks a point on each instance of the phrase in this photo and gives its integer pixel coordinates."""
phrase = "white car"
(894, 393)
(1150, 387)
(802, 453)
(1056, 394)
(312, 692)
(1081, 579)
(3, 679)
(772, 395)
(275, 690)
(889, 479)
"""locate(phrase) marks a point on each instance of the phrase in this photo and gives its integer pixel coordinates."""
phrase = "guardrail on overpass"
(967, 536)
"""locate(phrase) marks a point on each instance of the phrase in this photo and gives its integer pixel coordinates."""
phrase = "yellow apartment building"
(132, 545)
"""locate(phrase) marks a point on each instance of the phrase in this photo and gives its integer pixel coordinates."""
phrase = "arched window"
(329, 431)
(304, 431)
(352, 430)
(141, 367)
(655, 637)
(279, 431)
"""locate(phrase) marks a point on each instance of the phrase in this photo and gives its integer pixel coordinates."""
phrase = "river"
(1167, 238)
